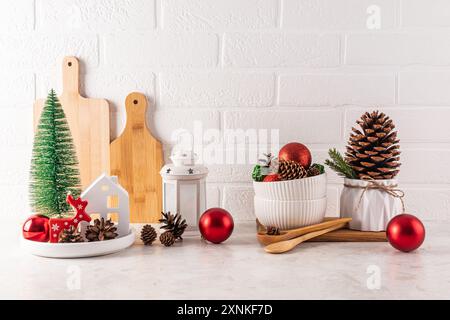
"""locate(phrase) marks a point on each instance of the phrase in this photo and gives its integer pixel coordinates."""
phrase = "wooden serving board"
(137, 158)
(341, 235)
(88, 121)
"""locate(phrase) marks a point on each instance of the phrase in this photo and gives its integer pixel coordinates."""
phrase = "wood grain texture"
(266, 239)
(342, 235)
(88, 120)
(137, 158)
(287, 245)
(347, 235)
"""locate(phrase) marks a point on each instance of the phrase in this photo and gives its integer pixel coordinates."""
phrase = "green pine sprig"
(257, 174)
(338, 164)
(54, 166)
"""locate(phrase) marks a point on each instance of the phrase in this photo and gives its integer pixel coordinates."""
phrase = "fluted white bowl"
(290, 214)
(311, 188)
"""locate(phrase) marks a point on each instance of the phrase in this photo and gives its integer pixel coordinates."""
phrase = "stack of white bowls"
(291, 204)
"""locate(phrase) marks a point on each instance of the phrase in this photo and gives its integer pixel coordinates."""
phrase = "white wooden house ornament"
(107, 198)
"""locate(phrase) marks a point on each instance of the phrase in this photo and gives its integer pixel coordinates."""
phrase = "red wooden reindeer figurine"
(58, 224)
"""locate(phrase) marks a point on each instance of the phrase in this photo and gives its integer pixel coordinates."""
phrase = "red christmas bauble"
(36, 228)
(297, 152)
(405, 232)
(216, 225)
(271, 178)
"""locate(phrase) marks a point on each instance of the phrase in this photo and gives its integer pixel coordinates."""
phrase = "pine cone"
(289, 170)
(167, 238)
(273, 231)
(148, 234)
(174, 224)
(315, 170)
(373, 152)
(101, 230)
(70, 235)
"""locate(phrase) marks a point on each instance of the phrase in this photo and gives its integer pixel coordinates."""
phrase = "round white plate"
(78, 250)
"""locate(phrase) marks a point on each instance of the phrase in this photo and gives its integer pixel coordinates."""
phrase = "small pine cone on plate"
(70, 235)
(101, 230)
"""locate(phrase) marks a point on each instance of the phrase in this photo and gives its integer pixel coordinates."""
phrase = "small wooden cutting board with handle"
(137, 158)
(88, 121)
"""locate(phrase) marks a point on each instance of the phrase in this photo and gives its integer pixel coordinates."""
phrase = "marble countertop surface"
(236, 269)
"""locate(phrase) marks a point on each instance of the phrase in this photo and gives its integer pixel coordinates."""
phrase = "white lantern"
(184, 187)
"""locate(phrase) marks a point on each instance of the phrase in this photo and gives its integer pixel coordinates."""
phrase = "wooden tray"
(342, 235)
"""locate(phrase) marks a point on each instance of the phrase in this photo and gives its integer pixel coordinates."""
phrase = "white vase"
(370, 209)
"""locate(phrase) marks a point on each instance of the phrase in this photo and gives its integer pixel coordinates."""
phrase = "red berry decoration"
(271, 178)
(405, 232)
(297, 152)
(216, 225)
(36, 228)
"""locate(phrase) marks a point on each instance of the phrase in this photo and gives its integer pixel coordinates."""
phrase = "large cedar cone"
(289, 170)
(167, 238)
(373, 152)
(173, 223)
(70, 235)
(148, 234)
(101, 230)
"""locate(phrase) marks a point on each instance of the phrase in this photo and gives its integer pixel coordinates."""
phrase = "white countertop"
(236, 269)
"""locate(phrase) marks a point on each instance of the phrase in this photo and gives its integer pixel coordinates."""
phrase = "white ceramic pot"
(311, 188)
(289, 214)
(370, 210)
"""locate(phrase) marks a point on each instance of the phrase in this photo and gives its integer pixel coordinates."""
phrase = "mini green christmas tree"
(54, 166)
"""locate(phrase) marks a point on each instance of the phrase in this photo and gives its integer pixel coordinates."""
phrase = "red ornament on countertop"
(36, 228)
(272, 178)
(58, 224)
(216, 225)
(297, 152)
(405, 232)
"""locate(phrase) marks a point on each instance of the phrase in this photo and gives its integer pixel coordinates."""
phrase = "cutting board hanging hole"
(71, 76)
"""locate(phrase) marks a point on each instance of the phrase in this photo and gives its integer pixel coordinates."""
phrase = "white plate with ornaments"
(80, 249)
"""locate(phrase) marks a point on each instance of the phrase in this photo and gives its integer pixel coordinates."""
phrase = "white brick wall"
(179, 15)
(332, 15)
(280, 49)
(306, 67)
(225, 89)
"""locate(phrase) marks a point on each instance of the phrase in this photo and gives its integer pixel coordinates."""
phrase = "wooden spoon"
(284, 246)
(266, 239)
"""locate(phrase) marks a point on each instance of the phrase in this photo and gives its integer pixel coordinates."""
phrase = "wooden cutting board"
(88, 120)
(137, 158)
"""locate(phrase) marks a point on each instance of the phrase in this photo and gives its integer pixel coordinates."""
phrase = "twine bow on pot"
(372, 184)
